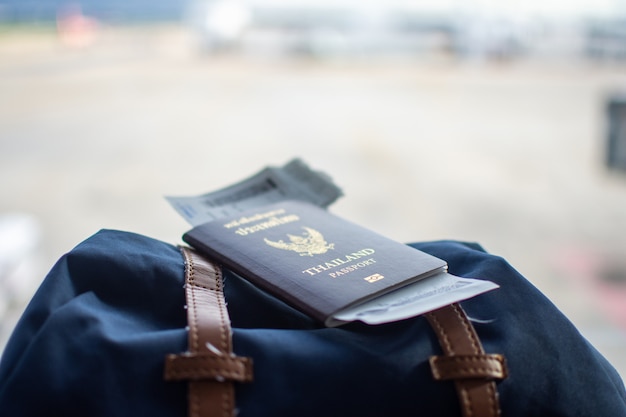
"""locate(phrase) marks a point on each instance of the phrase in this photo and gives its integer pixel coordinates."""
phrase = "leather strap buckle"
(210, 365)
(465, 362)
(195, 366)
(468, 367)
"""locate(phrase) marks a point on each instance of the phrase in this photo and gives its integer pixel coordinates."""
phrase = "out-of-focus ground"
(509, 154)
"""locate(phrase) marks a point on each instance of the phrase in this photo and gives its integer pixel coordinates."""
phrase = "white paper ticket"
(293, 181)
(417, 298)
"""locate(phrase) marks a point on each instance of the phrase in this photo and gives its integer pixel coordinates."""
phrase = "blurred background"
(498, 122)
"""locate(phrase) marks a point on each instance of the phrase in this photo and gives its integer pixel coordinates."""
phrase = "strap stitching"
(217, 278)
(190, 282)
(194, 400)
(442, 332)
(468, 329)
(467, 403)
(491, 387)
(222, 307)
(194, 397)
(180, 374)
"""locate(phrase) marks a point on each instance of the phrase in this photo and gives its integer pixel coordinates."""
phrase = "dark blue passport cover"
(313, 260)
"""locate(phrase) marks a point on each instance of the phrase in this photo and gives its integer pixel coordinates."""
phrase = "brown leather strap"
(209, 365)
(466, 363)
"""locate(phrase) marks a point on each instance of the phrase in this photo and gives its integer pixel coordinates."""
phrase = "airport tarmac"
(510, 154)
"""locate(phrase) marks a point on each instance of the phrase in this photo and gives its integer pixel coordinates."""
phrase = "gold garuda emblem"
(310, 243)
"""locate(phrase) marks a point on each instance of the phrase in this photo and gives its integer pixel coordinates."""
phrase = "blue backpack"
(107, 334)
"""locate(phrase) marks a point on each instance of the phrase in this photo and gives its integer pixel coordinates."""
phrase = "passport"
(311, 259)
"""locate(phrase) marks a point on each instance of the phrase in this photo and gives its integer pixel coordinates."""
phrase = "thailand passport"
(313, 260)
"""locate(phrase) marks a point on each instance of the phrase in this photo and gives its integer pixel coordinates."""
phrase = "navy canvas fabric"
(93, 340)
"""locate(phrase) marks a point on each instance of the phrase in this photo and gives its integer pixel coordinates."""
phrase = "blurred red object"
(74, 28)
